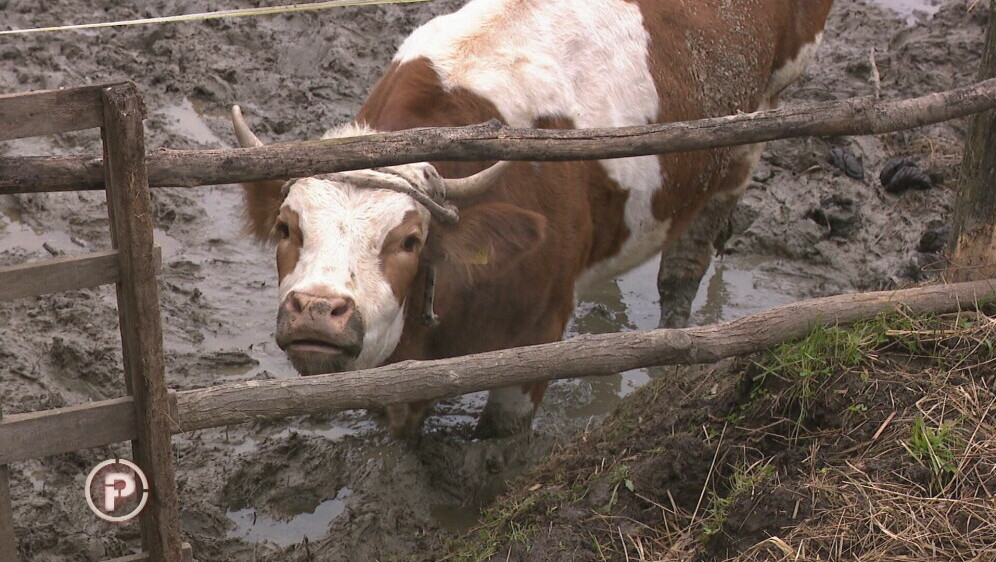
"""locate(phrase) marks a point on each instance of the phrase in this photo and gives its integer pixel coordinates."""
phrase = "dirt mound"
(869, 443)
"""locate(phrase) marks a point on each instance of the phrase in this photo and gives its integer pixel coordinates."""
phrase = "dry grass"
(901, 496)
(905, 470)
(920, 488)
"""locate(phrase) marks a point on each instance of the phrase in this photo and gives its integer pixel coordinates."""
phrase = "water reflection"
(255, 526)
(733, 287)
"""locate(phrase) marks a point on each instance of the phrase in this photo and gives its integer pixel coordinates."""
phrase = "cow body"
(508, 273)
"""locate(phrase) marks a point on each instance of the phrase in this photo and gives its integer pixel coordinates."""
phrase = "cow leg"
(510, 410)
(405, 420)
(684, 262)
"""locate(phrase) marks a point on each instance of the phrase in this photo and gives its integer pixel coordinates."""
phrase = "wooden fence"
(133, 265)
(152, 413)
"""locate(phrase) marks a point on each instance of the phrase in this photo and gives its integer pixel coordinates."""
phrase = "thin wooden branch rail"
(25, 436)
(492, 141)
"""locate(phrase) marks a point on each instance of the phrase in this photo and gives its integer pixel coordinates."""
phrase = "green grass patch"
(742, 481)
(934, 448)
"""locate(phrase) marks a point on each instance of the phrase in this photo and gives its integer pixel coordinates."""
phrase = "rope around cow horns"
(383, 178)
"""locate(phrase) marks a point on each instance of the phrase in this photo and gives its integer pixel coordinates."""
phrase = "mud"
(762, 459)
(333, 486)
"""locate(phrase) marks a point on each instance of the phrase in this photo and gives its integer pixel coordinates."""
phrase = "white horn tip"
(243, 133)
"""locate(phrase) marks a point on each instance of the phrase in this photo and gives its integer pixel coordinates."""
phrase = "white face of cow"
(347, 257)
(348, 250)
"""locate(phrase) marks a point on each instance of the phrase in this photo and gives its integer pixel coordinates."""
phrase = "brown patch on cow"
(287, 230)
(606, 200)
(262, 204)
(399, 257)
(490, 238)
(553, 187)
(809, 18)
(728, 52)
(517, 250)
(410, 95)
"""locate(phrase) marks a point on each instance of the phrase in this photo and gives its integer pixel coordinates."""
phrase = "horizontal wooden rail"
(51, 432)
(72, 428)
(62, 274)
(24, 436)
(46, 112)
(492, 141)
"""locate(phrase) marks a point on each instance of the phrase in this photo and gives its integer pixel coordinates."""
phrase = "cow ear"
(262, 205)
(492, 234)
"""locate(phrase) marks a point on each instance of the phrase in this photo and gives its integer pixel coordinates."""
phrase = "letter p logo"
(123, 487)
(117, 485)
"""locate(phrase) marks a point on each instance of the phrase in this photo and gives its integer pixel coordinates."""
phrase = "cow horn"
(242, 131)
(457, 188)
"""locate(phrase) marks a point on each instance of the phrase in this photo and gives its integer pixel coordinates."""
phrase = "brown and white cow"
(353, 259)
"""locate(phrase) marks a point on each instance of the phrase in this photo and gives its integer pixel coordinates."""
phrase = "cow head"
(350, 246)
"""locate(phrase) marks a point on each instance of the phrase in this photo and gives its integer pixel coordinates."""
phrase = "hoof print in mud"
(845, 161)
(901, 174)
(839, 213)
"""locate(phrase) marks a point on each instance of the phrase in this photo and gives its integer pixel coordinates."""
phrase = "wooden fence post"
(129, 206)
(8, 541)
(973, 236)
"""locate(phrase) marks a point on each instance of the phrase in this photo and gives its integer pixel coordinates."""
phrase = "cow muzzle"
(321, 333)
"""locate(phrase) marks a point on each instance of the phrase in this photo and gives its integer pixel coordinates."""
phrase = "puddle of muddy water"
(15, 233)
(909, 8)
(326, 429)
(240, 283)
(254, 526)
(188, 117)
(733, 287)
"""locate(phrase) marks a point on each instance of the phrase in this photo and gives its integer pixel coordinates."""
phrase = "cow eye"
(410, 243)
(283, 231)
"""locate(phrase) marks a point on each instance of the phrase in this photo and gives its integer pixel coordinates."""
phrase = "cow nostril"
(341, 310)
(295, 303)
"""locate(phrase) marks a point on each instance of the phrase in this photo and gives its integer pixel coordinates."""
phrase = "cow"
(371, 273)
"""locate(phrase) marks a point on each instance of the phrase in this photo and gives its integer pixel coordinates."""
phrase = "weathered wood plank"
(35, 435)
(63, 274)
(8, 540)
(130, 209)
(52, 432)
(46, 112)
(490, 141)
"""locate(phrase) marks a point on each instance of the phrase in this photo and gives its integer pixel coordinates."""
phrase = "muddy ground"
(334, 487)
(871, 443)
